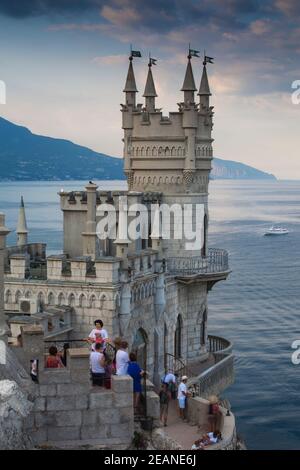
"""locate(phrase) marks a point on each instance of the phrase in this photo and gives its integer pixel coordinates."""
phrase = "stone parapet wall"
(67, 409)
(198, 415)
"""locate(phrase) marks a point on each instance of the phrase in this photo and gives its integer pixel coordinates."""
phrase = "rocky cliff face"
(16, 389)
(14, 410)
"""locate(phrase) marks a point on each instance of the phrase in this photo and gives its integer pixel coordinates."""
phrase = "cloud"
(288, 7)
(24, 8)
(260, 27)
(120, 16)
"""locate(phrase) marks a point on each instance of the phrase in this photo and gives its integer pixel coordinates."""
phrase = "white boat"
(277, 230)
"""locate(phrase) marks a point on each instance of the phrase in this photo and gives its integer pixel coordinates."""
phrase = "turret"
(150, 92)
(90, 239)
(189, 121)
(22, 231)
(204, 91)
(130, 86)
(189, 86)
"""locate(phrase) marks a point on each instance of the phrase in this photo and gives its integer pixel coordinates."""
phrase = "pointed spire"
(22, 231)
(130, 85)
(150, 87)
(204, 86)
(189, 82)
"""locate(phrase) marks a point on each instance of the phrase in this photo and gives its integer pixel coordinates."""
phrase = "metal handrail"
(205, 381)
(176, 365)
(219, 345)
(215, 261)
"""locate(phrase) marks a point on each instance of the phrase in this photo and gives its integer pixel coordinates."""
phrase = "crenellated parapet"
(176, 149)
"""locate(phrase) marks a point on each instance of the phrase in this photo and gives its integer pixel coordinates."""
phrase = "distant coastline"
(28, 157)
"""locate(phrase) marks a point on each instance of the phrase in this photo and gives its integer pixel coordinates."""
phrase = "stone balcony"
(212, 268)
(217, 372)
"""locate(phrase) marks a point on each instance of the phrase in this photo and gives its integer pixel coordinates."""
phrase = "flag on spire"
(152, 61)
(208, 60)
(193, 53)
(135, 53)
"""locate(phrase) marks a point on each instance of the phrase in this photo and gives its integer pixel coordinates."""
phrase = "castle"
(151, 291)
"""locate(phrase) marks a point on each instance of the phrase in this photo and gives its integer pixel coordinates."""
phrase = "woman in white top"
(122, 359)
(98, 333)
(97, 364)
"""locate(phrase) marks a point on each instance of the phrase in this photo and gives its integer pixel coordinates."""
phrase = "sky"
(64, 64)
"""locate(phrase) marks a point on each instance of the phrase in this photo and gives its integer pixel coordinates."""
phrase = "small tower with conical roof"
(150, 91)
(127, 110)
(130, 86)
(204, 90)
(22, 231)
(189, 86)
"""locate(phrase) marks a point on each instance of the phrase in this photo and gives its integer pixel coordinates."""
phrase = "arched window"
(18, 296)
(178, 338)
(61, 299)
(165, 346)
(93, 301)
(205, 227)
(40, 302)
(51, 299)
(71, 300)
(82, 301)
(8, 297)
(139, 346)
(203, 328)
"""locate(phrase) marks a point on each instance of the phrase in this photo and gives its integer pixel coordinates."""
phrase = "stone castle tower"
(169, 154)
(151, 291)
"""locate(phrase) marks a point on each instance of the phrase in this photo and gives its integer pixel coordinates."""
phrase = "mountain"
(25, 156)
(228, 169)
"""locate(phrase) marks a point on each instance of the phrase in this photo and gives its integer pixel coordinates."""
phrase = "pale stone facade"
(152, 292)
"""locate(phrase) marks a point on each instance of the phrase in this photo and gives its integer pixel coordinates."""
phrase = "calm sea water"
(258, 307)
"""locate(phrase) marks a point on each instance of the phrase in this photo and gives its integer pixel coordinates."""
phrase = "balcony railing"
(215, 262)
(216, 378)
(218, 345)
(221, 374)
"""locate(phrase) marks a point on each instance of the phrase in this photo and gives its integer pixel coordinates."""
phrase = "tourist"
(109, 370)
(170, 380)
(34, 370)
(122, 359)
(182, 397)
(136, 373)
(54, 360)
(214, 413)
(207, 440)
(98, 334)
(164, 398)
(198, 445)
(97, 365)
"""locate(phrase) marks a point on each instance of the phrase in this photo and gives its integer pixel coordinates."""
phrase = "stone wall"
(68, 411)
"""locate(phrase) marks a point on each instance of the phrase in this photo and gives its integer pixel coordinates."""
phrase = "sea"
(257, 307)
